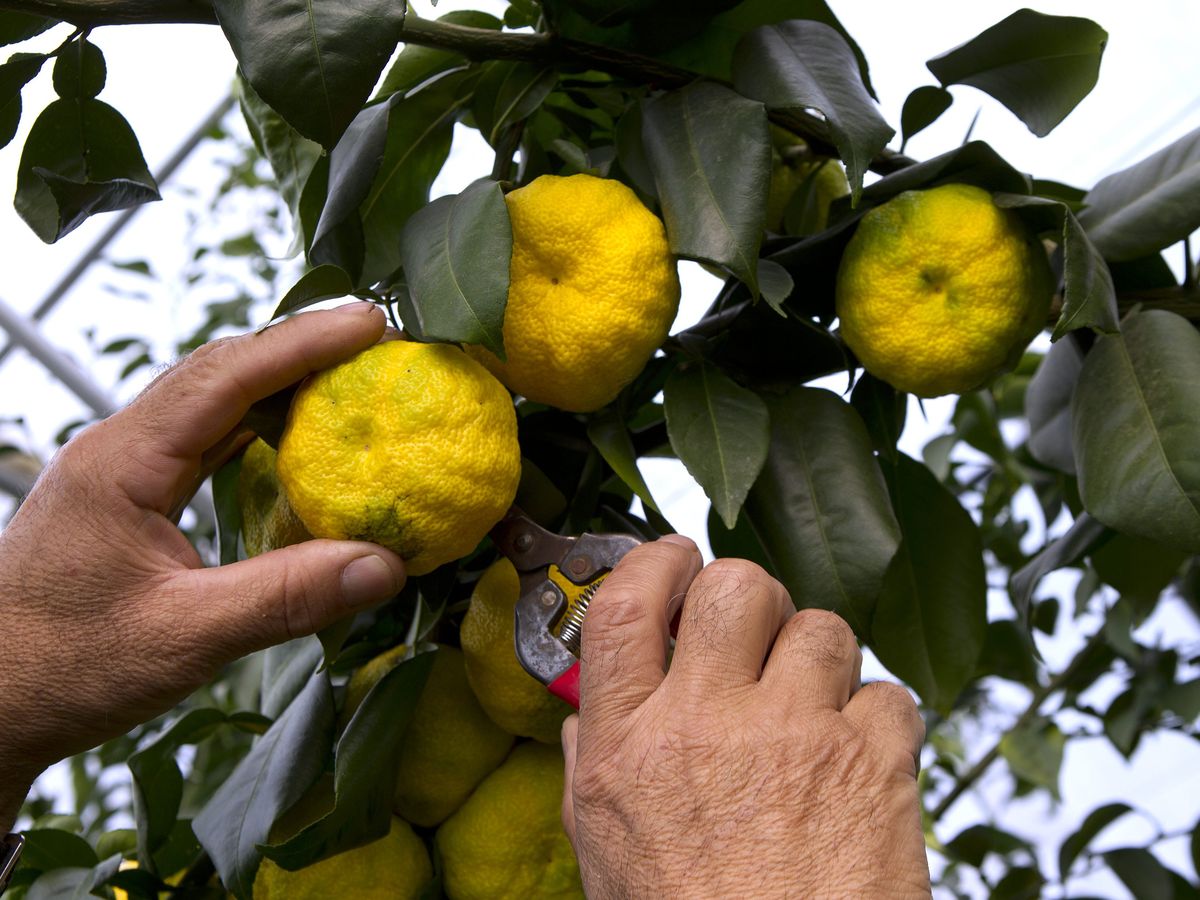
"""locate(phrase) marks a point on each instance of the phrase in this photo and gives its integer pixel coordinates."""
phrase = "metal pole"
(118, 224)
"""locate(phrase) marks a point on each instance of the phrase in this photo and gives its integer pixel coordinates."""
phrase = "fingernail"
(357, 308)
(368, 580)
(681, 540)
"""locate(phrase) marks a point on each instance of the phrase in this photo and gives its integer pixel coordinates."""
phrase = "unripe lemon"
(412, 446)
(268, 520)
(592, 292)
(941, 290)
(515, 700)
(507, 841)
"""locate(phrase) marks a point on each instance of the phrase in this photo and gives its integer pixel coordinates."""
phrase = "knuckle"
(820, 636)
(613, 609)
(739, 571)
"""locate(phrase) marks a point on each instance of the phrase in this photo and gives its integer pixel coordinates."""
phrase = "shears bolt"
(579, 565)
(523, 542)
(549, 598)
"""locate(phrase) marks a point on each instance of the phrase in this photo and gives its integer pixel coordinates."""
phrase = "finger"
(889, 712)
(815, 660)
(192, 406)
(730, 618)
(570, 741)
(286, 593)
(626, 633)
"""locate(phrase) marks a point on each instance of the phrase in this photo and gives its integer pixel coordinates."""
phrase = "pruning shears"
(559, 576)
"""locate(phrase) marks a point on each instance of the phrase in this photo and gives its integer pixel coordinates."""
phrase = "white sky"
(165, 79)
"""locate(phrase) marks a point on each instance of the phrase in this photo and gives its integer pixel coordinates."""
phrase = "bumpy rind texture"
(507, 841)
(593, 291)
(412, 446)
(268, 520)
(514, 699)
(940, 290)
(395, 867)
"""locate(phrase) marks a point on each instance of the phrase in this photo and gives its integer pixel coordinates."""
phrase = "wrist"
(12, 795)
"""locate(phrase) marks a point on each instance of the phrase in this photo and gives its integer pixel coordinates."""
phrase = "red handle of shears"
(566, 685)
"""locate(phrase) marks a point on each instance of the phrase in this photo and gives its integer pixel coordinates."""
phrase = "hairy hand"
(109, 618)
(754, 766)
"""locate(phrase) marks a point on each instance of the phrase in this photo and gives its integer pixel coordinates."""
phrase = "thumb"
(570, 743)
(286, 593)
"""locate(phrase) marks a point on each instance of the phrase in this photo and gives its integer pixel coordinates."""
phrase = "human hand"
(109, 618)
(754, 767)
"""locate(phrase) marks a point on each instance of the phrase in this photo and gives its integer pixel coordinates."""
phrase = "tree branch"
(473, 43)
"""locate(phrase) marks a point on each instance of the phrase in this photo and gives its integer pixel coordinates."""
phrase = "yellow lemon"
(450, 744)
(507, 840)
(412, 446)
(592, 291)
(395, 867)
(268, 520)
(941, 290)
(515, 700)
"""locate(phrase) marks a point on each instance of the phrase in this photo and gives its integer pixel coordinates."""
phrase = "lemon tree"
(542, 362)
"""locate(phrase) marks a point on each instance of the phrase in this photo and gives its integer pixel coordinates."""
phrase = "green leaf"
(79, 71)
(325, 282)
(1083, 536)
(1138, 569)
(1035, 752)
(18, 26)
(806, 64)
(921, 109)
(609, 434)
(81, 158)
(720, 431)
(974, 843)
(228, 510)
(364, 771)
(416, 64)
(276, 772)
(1019, 883)
(820, 509)
(1039, 66)
(1183, 699)
(883, 409)
(286, 670)
(455, 253)
(291, 155)
(972, 163)
(418, 140)
(73, 883)
(1136, 430)
(1089, 299)
(1009, 652)
(1141, 872)
(1048, 406)
(710, 151)
(740, 542)
(931, 619)
(14, 75)
(509, 92)
(1148, 206)
(776, 284)
(52, 848)
(1097, 820)
(315, 64)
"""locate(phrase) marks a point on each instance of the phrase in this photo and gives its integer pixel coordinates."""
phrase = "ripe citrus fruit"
(592, 291)
(412, 446)
(515, 700)
(395, 867)
(268, 520)
(450, 744)
(940, 290)
(507, 840)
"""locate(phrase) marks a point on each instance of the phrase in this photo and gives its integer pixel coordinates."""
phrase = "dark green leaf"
(325, 282)
(1035, 752)
(228, 510)
(314, 64)
(883, 409)
(1148, 206)
(81, 158)
(1137, 427)
(921, 109)
(1009, 652)
(282, 765)
(975, 842)
(710, 152)
(931, 618)
(806, 64)
(776, 284)
(1196, 847)
(455, 253)
(364, 771)
(286, 670)
(51, 848)
(416, 64)
(18, 26)
(739, 543)
(1097, 820)
(79, 71)
(292, 156)
(14, 75)
(720, 431)
(72, 883)
(509, 92)
(1183, 699)
(609, 434)
(1039, 66)
(820, 508)
(972, 163)
(1019, 883)
(1141, 872)
(631, 152)
(1048, 406)
(1084, 535)
(1138, 569)
(1089, 299)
